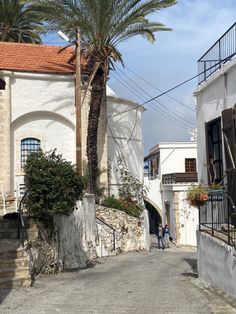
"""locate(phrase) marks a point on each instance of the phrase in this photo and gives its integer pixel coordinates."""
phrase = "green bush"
(128, 206)
(53, 186)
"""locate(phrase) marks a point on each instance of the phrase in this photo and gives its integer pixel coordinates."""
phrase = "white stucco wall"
(124, 138)
(217, 263)
(172, 160)
(42, 106)
(213, 96)
(183, 217)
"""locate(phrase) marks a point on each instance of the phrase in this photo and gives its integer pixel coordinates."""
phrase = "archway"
(154, 217)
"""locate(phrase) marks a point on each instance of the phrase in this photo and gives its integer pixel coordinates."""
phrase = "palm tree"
(103, 25)
(19, 22)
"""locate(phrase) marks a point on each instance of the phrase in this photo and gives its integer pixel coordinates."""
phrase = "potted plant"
(197, 195)
(216, 189)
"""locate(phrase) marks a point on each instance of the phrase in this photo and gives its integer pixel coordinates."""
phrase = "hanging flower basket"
(197, 195)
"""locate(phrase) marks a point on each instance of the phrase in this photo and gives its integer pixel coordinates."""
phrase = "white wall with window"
(213, 96)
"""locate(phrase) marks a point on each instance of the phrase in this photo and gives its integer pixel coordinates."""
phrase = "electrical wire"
(167, 109)
(159, 90)
(177, 120)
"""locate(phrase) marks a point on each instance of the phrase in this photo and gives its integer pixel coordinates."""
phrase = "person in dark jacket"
(160, 242)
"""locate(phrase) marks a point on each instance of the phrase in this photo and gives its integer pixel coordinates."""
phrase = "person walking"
(166, 236)
(160, 242)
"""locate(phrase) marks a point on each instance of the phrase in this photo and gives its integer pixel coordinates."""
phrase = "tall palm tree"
(19, 22)
(103, 24)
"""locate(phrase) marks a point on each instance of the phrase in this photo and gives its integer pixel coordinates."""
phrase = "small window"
(190, 165)
(2, 84)
(28, 145)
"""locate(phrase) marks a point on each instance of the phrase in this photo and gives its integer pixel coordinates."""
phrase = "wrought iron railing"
(220, 52)
(218, 217)
(181, 177)
(111, 230)
(21, 223)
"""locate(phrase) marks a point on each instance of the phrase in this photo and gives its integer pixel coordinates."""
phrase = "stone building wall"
(130, 232)
(5, 137)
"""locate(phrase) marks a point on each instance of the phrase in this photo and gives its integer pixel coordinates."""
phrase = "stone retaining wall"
(130, 234)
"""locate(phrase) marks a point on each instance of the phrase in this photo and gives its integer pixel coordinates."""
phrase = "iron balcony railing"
(222, 51)
(218, 217)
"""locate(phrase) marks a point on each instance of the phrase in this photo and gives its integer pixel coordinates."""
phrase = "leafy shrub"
(128, 206)
(131, 189)
(53, 186)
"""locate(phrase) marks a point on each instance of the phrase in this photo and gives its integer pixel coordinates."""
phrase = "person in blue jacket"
(160, 242)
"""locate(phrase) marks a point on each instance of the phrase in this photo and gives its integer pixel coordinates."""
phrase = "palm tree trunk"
(97, 96)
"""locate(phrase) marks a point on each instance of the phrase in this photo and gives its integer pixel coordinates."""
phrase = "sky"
(196, 25)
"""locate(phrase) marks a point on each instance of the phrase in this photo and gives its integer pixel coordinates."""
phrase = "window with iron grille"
(28, 145)
(2, 84)
(190, 165)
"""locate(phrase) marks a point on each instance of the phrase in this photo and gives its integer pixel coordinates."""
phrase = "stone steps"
(14, 265)
(15, 282)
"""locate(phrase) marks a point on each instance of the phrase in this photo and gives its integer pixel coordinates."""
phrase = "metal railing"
(218, 217)
(113, 231)
(21, 223)
(181, 177)
(220, 52)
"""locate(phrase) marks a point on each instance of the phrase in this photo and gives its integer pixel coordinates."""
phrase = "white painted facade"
(124, 134)
(171, 160)
(216, 263)
(42, 107)
(213, 96)
(170, 199)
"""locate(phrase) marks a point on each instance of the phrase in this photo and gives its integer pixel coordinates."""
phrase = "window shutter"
(229, 132)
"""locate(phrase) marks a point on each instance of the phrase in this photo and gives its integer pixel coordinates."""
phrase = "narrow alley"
(139, 282)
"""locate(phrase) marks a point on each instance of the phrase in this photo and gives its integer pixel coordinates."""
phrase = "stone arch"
(154, 214)
(41, 115)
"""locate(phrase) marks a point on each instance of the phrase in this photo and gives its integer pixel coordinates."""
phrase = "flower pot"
(201, 197)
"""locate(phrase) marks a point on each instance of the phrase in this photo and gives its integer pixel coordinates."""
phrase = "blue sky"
(196, 25)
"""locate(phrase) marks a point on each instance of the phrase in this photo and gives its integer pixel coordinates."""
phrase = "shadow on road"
(3, 294)
(193, 263)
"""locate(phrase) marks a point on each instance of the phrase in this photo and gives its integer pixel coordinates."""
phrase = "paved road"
(141, 283)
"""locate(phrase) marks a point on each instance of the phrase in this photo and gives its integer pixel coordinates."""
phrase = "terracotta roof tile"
(37, 58)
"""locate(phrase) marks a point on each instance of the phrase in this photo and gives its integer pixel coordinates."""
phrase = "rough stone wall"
(5, 137)
(217, 263)
(130, 231)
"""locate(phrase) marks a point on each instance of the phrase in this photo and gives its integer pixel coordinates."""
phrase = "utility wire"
(179, 123)
(166, 108)
(159, 90)
(179, 120)
(186, 81)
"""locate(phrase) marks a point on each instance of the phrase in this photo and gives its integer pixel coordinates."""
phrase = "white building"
(37, 98)
(216, 119)
(172, 168)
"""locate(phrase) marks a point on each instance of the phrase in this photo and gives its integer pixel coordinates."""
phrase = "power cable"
(179, 123)
(179, 120)
(167, 109)
(159, 90)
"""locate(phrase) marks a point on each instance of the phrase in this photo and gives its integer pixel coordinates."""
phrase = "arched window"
(2, 84)
(28, 145)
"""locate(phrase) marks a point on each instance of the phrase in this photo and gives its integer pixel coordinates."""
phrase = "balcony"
(182, 177)
(222, 51)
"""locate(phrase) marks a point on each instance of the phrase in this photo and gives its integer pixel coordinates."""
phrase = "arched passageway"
(154, 217)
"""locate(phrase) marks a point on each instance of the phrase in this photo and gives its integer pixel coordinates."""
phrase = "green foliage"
(19, 22)
(53, 186)
(128, 206)
(131, 188)
(197, 193)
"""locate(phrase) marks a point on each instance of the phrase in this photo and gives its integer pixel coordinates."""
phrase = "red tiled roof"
(37, 58)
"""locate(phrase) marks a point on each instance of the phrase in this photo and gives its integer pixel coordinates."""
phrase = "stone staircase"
(10, 205)
(14, 264)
